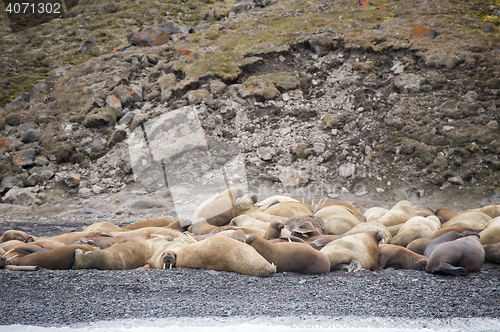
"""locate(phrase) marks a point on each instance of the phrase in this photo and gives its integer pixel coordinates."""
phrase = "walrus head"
(278, 225)
(250, 239)
(169, 258)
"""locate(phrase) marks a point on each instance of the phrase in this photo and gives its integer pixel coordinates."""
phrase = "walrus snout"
(250, 239)
(271, 270)
(169, 260)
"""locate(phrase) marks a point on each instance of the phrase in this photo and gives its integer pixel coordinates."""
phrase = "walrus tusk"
(183, 241)
(289, 240)
(158, 235)
(8, 251)
(164, 265)
(192, 238)
(170, 266)
(8, 259)
(302, 199)
(312, 203)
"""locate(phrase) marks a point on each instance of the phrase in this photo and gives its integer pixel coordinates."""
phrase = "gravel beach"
(58, 298)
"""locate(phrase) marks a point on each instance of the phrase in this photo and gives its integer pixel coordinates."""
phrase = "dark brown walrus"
(61, 258)
(291, 256)
(397, 257)
(458, 257)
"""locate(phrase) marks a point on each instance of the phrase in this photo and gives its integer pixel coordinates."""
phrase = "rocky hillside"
(356, 100)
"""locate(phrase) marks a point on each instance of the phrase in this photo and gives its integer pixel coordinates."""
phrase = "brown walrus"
(415, 228)
(492, 253)
(221, 253)
(291, 256)
(219, 209)
(354, 252)
(337, 218)
(458, 257)
(290, 209)
(397, 257)
(445, 214)
(418, 245)
(351, 208)
(16, 235)
(61, 258)
(122, 256)
(160, 222)
(274, 230)
(446, 237)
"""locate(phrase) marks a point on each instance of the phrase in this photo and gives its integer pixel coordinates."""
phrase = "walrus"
(160, 222)
(397, 257)
(418, 245)
(371, 226)
(103, 227)
(492, 253)
(446, 237)
(290, 209)
(16, 235)
(13, 256)
(266, 203)
(291, 256)
(305, 225)
(338, 219)
(354, 252)
(156, 259)
(245, 205)
(101, 242)
(458, 257)
(146, 233)
(61, 258)
(220, 253)
(491, 210)
(375, 213)
(458, 229)
(288, 239)
(394, 229)
(247, 221)
(399, 214)
(415, 228)
(247, 230)
(122, 256)
(469, 219)
(351, 208)
(219, 209)
(490, 235)
(200, 226)
(445, 214)
(274, 230)
(423, 211)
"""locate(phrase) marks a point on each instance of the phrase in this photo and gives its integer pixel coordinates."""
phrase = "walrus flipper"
(353, 266)
(452, 270)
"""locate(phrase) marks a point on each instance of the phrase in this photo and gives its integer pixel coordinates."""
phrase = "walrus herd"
(234, 232)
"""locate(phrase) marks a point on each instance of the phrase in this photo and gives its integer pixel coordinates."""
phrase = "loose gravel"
(57, 298)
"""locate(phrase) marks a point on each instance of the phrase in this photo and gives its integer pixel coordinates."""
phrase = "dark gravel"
(54, 298)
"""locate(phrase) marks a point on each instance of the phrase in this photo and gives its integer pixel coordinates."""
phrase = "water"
(280, 324)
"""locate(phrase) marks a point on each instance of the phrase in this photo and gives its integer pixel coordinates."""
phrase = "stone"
(22, 99)
(490, 29)
(471, 95)
(86, 44)
(46, 172)
(68, 130)
(136, 93)
(210, 16)
(217, 87)
(334, 121)
(456, 180)
(368, 150)
(127, 119)
(10, 143)
(241, 6)
(397, 67)
(10, 182)
(41, 160)
(114, 102)
(493, 123)
(29, 136)
(284, 131)
(409, 83)
(447, 129)
(149, 36)
(13, 119)
(97, 189)
(200, 27)
(166, 83)
(124, 95)
(73, 180)
(420, 32)
(96, 145)
(320, 45)
(116, 137)
(195, 97)
(319, 148)
(23, 158)
(231, 15)
(84, 191)
(265, 153)
(36, 91)
(103, 117)
(292, 177)
(347, 169)
(20, 196)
